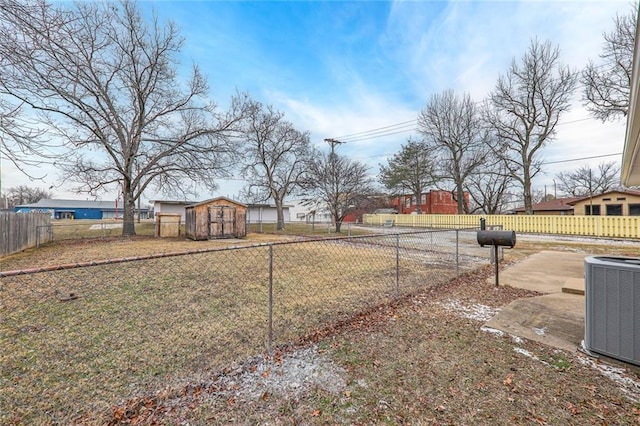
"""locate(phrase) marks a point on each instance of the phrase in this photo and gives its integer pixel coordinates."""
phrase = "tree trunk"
(418, 203)
(338, 226)
(279, 214)
(461, 200)
(526, 190)
(128, 217)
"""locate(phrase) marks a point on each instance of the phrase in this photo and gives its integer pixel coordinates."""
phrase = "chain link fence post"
(397, 265)
(270, 310)
(457, 252)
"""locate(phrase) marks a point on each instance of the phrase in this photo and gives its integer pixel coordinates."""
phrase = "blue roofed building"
(78, 209)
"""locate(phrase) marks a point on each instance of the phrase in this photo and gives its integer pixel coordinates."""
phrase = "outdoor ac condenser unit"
(612, 311)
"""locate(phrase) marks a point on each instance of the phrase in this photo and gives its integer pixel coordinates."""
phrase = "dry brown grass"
(148, 331)
(142, 325)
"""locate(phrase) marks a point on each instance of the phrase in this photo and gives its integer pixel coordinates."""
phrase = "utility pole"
(334, 174)
(333, 143)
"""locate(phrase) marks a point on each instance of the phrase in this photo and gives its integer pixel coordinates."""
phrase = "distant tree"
(490, 187)
(99, 77)
(340, 183)
(586, 181)
(453, 128)
(524, 109)
(26, 195)
(607, 84)
(276, 157)
(410, 170)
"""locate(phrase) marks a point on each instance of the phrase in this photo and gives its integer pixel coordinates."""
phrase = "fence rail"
(85, 335)
(20, 231)
(589, 226)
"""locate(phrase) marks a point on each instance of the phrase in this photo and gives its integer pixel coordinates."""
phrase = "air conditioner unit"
(612, 309)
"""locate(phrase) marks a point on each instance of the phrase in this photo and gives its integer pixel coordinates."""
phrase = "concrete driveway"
(557, 317)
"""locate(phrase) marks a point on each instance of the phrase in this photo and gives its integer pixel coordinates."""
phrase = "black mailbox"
(497, 238)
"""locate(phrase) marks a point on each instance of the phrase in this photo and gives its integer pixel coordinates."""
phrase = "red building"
(436, 201)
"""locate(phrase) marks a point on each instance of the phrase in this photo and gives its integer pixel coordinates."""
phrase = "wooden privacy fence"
(19, 231)
(591, 226)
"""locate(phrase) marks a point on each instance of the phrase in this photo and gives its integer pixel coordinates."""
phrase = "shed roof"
(218, 199)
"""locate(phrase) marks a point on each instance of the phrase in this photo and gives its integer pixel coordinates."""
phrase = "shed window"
(592, 210)
(606, 199)
(621, 198)
(423, 199)
(634, 209)
(614, 209)
(407, 201)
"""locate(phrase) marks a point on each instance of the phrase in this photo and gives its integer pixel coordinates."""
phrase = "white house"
(171, 206)
(302, 211)
(266, 213)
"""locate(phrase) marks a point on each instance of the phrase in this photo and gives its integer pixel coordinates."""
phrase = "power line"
(582, 158)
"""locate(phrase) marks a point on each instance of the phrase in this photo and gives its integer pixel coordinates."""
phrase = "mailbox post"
(496, 239)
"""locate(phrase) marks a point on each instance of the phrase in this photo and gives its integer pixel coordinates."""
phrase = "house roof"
(557, 204)
(615, 191)
(175, 202)
(50, 203)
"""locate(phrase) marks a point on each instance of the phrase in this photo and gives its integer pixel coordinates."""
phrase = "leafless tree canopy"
(586, 181)
(340, 183)
(490, 187)
(23, 194)
(412, 170)
(607, 84)
(525, 108)
(276, 157)
(104, 81)
(453, 128)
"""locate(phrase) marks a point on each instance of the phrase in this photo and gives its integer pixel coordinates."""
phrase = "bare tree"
(276, 157)
(411, 169)
(586, 181)
(453, 128)
(607, 84)
(26, 195)
(338, 182)
(105, 81)
(525, 108)
(490, 187)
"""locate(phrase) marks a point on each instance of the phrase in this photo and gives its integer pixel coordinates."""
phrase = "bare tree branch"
(340, 183)
(607, 84)
(104, 81)
(453, 128)
(276, 157)
(525, 108)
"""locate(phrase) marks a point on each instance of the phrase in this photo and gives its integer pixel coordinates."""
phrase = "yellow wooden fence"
(594, 226)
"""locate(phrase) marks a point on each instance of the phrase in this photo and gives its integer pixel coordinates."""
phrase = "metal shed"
(216, 218)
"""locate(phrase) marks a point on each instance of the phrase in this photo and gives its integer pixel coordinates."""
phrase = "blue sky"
(341, 68)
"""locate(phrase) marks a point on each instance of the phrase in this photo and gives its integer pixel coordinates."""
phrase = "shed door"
(222, 221)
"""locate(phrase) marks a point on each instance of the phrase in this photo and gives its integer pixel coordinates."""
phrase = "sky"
(361, 71)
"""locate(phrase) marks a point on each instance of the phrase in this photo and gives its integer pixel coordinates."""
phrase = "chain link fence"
(78, 338)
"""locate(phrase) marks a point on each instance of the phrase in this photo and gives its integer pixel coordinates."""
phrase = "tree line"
(95, 89)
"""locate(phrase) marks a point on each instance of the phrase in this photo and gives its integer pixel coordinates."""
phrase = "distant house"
(436, 201)
(266, 213)
(78, 209)
(557, 206)
(171, 206)
(622, 202)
